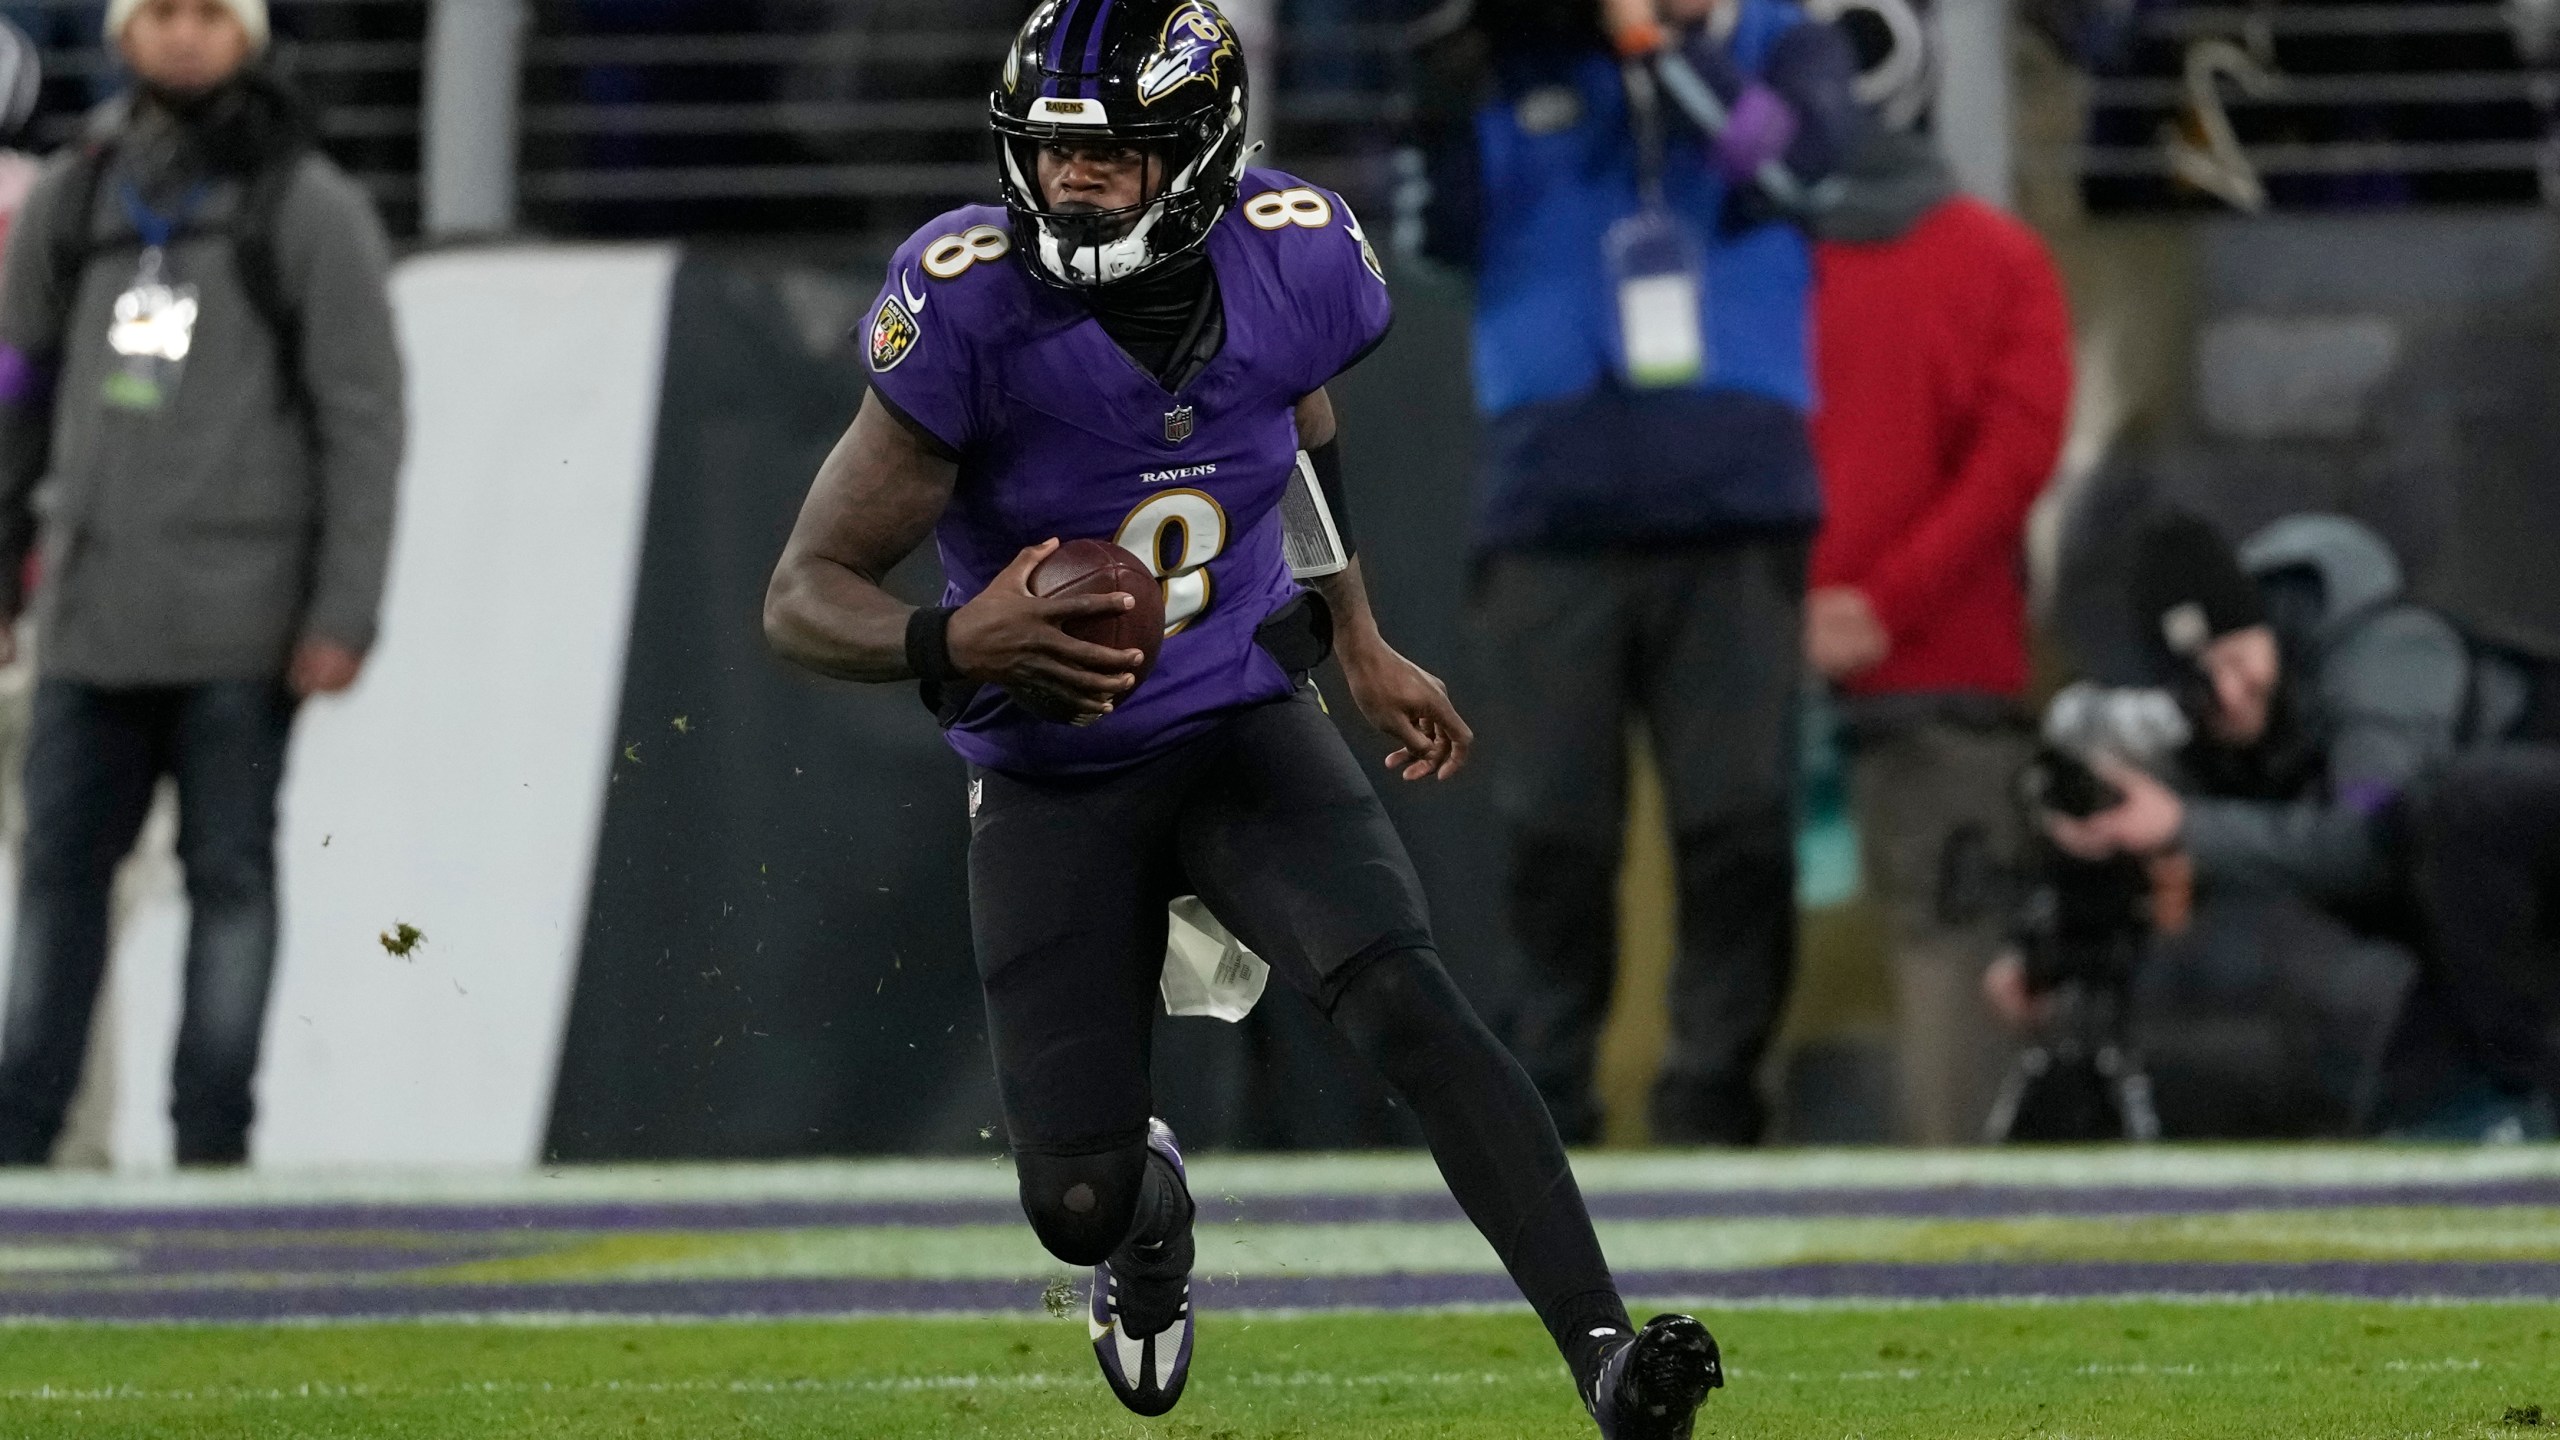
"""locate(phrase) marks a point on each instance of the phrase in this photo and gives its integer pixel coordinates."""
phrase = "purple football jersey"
(1061, 435)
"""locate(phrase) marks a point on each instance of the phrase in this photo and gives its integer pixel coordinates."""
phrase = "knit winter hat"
(2188, 587)
(252, 15)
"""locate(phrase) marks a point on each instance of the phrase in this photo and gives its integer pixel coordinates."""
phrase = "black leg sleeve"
(1494, 1142)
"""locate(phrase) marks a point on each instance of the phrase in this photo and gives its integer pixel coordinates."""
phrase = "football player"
(1135, 348)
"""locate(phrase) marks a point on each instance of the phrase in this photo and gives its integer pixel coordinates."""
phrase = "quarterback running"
(1133, 349)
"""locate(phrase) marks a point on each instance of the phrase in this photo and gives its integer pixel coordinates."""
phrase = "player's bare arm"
(875, 499)
(1401, 699)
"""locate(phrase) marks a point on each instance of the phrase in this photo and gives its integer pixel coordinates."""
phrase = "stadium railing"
(359, 59)
(838, 117)
(701, 118)
(2337, 106)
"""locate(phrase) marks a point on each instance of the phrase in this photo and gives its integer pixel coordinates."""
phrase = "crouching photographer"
(2341, 752)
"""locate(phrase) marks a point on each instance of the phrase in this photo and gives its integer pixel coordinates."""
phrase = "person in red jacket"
(1943, 346)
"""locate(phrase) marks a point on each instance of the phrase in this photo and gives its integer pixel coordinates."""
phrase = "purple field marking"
(167, 1255)
(786, 1298)
(1968, 1202)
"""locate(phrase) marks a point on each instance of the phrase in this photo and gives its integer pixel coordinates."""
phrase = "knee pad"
(1081, 1206)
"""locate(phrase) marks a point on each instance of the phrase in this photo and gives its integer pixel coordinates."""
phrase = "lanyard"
(1644, 114)
(156, 229)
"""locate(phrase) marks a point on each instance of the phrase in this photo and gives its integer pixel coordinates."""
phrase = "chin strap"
(1113, 260)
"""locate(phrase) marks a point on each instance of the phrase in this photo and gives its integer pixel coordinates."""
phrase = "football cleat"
(1651, 1387)
(1146, 1372)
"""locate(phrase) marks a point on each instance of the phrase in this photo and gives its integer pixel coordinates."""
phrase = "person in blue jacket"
(1642, 364)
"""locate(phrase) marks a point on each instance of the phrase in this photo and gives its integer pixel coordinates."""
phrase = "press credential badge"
(154, 329)
(1661, 301)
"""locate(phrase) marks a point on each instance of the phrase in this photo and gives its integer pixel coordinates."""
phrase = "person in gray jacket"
(200, 395)
(2331, 716)
(2324, 697)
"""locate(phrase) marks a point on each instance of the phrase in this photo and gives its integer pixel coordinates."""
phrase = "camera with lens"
(2081, 927)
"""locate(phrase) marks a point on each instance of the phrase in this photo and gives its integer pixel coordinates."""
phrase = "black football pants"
(1270, 820)
(1704, 642)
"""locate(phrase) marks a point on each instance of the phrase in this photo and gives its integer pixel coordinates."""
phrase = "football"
(1098, 567)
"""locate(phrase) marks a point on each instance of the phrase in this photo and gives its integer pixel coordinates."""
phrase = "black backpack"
(2509, 696)
(251, 230)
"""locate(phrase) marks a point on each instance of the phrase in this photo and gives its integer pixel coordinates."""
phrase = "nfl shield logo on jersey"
(1177, 425)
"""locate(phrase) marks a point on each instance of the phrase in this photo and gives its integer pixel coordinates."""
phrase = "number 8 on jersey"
(1178, 532)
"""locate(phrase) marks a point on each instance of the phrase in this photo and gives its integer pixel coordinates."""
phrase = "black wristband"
(1326, 460)
(929, 644)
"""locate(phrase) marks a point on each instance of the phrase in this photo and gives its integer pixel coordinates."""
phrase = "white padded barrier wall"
(461, 787)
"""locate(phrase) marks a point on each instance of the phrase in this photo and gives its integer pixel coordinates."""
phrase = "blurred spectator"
(217, 502)
(21, 85)
(1641, 358)
(21, 88)
(2328, 713)
(1340, 45)
(1945, 369)
(61, 27)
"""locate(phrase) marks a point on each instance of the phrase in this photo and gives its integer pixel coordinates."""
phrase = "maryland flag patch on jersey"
(894, 333)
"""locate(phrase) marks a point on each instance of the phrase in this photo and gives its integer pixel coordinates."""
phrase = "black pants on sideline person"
(2488, 886)
(1705, 643)
(93, 760)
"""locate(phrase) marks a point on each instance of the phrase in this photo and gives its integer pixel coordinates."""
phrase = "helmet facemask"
(1201, 159)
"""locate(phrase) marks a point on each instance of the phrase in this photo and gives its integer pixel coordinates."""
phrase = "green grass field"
(2185, 1370)
(2399, 1293)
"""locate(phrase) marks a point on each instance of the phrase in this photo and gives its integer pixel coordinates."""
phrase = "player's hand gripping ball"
(1034, 629)
(1098, 567)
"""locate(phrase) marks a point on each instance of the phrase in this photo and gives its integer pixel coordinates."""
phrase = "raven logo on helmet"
(1196, 42)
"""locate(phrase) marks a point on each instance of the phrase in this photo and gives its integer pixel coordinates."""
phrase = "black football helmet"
(1163, 76)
